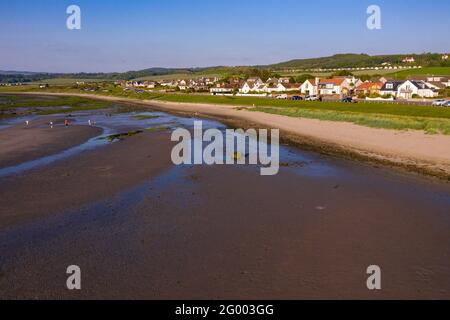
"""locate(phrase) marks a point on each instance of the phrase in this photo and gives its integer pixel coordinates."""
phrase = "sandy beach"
(413, 150)
(142, 228)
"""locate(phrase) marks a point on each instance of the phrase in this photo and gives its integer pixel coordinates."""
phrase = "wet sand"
(22, 143)
(413, 150)
(140, 228)
(88, 177)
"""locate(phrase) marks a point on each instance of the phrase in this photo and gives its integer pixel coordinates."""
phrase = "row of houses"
(317, 86)
(425, 87)
(199, 84)
(256, 85)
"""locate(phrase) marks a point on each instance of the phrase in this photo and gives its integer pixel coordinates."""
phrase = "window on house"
(390, 86)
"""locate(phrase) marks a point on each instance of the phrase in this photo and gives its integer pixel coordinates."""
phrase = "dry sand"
(414, 150)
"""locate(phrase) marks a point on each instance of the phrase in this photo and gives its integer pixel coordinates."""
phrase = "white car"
(312, 98)
(439, 102)
(446, 103)
(282, 97)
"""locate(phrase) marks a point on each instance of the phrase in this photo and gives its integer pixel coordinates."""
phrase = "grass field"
(433, 71)
(378, 115)
(328, 74)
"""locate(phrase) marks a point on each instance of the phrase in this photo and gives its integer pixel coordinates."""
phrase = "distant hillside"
(360, 60)
(337, 61)
(2, 72)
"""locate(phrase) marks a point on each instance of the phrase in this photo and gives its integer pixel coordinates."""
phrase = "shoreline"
(413, 151)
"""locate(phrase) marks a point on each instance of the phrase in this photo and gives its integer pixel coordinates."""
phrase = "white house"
(210, 81)
(151, 85)
(252, 85)
(409, 60)
(222, 89)
(447, 83)
(182, 85)
(390, 88)
(168, 83)
(139, 84)
(309, 87)
(328, 87)
(245, 88)
(411, 88)
(260, 88)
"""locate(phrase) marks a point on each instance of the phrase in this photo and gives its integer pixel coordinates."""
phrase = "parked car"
(312, 98)
(282, 97)
(296, 98)
(439, 102)
(348, 100)
(446, 103)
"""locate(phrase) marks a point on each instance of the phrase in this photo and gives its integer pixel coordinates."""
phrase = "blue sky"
(135, 34)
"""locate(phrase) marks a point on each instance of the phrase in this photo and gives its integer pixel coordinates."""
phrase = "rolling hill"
(361, 60)
(336, 61)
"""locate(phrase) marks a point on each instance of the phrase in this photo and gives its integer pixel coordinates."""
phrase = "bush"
(361, 95)
(302, 78)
